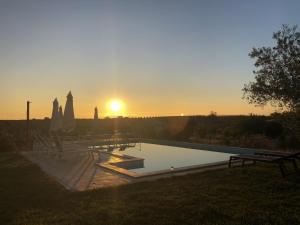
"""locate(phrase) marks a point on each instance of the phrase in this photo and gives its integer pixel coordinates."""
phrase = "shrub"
(7, 142)
(273, 129)
(252, 125)
(289, 141)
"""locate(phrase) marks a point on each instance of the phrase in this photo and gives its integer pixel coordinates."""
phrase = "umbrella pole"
(29, 141)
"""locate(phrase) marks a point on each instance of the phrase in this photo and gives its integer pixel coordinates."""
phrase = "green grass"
(251, 195)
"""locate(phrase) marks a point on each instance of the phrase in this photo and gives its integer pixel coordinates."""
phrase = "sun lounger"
(287, 155)
(279, 160)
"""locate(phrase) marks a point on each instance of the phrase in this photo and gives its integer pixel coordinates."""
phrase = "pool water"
(162, 157)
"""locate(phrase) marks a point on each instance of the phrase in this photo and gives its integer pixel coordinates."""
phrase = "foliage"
(290, 122)
(7, 142)
(273, 129)
(271, 132)
(212, 114)
(277, 78)
(252, 125)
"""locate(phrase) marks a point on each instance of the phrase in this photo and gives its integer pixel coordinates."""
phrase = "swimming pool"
(147, 158)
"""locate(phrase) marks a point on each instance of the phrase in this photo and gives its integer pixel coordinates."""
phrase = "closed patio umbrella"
(54, 125)
(69, 118)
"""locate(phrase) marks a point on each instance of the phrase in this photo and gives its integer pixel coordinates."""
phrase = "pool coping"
(199, 146)
(130, 174)
(112, 165)
(196, 146)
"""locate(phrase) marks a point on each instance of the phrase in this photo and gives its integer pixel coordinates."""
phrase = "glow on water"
(161, 157)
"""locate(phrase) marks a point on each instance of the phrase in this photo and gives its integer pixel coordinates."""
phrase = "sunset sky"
(163, 57)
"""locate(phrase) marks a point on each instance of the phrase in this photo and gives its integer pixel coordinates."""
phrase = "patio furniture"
(279, 160)
(286, 155)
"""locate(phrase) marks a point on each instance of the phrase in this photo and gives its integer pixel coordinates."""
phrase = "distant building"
(69, 117)
(96, 114)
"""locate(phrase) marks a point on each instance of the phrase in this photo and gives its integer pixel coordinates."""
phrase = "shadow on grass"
(250, 195)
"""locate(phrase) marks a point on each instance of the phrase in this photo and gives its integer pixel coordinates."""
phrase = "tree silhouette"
(277, 78)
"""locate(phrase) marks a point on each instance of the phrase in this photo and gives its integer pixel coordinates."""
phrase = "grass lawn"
(251, 195)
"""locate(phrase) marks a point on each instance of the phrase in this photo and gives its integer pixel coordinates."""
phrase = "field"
(250, 195)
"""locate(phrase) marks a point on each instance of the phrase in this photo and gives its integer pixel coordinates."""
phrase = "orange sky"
(140, 106)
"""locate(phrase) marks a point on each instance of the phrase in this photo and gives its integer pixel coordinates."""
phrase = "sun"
(115, 106)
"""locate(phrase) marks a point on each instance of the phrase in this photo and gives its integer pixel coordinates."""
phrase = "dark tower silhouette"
(61, 112)
(69, 118)
(60, 117)
(54, 126)
(96, 114)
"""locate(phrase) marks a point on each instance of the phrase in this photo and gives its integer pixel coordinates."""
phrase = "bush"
(273, 129)
(289, 141)
(252, 125)
(7, 142)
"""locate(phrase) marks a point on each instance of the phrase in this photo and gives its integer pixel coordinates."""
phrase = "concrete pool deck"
(75, 170)
(78, 169)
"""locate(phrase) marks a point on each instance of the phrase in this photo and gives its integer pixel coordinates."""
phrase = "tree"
(277, 78)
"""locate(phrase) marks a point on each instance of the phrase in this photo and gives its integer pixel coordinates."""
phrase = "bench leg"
(229, 163)
(281, 167)
(243, 162)
(295, 166)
